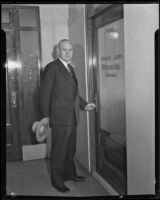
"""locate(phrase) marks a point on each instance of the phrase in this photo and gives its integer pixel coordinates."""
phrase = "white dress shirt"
(65, 63)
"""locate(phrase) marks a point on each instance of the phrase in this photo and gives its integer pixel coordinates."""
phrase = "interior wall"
(140, 23)
(76, 24)
(54, 27)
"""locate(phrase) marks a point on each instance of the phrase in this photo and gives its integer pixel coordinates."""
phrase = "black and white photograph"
(81, 99)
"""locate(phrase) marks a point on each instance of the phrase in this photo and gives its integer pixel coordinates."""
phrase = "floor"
(32, 178)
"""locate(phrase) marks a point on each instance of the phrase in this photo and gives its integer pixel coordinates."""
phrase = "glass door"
(108, 61)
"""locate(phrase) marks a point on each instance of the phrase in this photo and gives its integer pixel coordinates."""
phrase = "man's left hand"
(90, 106)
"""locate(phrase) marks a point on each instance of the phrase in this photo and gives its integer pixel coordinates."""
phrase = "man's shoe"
(78, 178)
(62, 189)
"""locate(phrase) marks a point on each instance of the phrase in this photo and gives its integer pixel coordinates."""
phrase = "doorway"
(21, 26)
(107, 54)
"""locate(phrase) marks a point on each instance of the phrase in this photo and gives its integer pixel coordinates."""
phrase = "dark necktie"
(71, 72)
(70, 69)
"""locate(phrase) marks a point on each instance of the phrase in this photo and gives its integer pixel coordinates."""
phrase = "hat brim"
(34, 126)
(42, 131)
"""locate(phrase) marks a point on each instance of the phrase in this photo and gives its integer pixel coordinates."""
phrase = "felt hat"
(41, 130)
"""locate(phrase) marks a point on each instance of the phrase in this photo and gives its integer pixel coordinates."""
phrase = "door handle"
(95, 99)
(14, 99)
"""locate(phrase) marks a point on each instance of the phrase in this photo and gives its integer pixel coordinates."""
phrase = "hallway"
(116, 69)
(32, 178)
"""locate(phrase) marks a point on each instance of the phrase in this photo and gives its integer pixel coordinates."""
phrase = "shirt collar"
(64, 62)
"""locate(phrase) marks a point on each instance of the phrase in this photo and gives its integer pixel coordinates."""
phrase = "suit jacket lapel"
(64, 71)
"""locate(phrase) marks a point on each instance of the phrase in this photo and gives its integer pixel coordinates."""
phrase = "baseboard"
(33, 152)
(104, 183)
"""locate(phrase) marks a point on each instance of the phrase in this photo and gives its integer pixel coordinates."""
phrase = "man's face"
(66, 51)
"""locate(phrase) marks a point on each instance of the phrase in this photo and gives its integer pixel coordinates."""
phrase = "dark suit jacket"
(58, 97)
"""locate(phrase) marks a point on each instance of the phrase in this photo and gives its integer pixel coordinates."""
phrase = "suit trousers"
(63, 149)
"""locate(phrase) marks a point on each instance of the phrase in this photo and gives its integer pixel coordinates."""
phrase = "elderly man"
(60, 103)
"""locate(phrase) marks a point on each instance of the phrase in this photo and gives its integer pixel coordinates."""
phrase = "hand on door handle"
(90, 106)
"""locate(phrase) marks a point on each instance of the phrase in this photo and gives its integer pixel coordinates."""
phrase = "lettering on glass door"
(112, 85)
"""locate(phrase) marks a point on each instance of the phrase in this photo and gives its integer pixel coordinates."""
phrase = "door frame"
(15, 152)
(20, 101)
(91, 12)
(157, 114)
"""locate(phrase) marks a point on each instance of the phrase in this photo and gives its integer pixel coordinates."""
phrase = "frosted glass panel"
(111, 93)
(112, 80)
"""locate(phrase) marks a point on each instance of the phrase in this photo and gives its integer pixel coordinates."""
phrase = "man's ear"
(55, 52)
